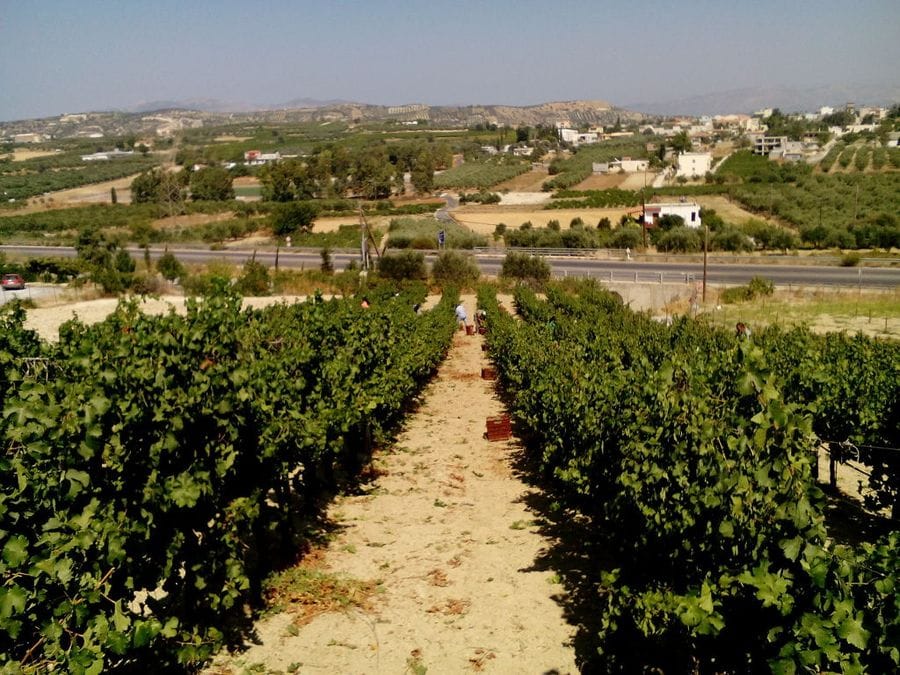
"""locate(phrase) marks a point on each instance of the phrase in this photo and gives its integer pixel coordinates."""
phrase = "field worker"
(480, 318)
(461, 315)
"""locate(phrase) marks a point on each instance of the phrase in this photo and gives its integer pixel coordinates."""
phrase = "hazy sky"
(73, 56)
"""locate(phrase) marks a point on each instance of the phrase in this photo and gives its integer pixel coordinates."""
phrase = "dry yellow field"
(484, 220)
(729, 211)
(21, 154)
(527, 182)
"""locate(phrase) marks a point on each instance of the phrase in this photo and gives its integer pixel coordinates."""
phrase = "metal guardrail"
(619, 253)
(602, 253)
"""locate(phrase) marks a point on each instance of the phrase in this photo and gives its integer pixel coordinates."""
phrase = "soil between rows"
(446, 532)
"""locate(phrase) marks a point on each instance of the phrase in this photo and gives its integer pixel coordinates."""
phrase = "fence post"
(832, 470)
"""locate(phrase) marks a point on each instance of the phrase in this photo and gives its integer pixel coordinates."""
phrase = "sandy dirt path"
(446, 532)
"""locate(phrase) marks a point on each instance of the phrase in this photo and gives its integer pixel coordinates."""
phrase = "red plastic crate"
(498, 428)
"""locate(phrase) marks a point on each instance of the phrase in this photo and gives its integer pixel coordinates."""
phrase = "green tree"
(422, 174)
(277, 182)
(524, 267)
(681, 142)
(373, 174)
(113, 196)
(680, 240)
(110, 266)
(145, 187)
(211, 183)
(293, 217)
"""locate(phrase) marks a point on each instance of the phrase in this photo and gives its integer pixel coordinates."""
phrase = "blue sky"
(58, 57)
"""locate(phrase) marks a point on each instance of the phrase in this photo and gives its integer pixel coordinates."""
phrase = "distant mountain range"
(215, 105)
(167, 117)
(788, 99)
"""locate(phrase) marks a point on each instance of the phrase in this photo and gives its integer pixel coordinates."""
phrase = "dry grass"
(729, 211)
(306, 591)
(530, 181)
(483, 220)
(22, 154)
(437, 577)
(452, 607)
(873, 313)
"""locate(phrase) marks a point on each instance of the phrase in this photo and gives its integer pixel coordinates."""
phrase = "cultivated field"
(483, 220)
(527, 182)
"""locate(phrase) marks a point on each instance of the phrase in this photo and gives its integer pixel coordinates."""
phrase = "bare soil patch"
(47, 320)
(97, 193)
(446, 534)
(524, 198)
(22, 154)
(530, 181)
(599, 181)
(333, 223)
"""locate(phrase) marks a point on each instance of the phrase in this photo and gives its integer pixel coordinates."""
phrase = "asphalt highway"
(609, 270)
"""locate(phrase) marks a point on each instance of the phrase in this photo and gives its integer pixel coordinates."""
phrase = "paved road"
(443, 213)
(30, 292)
(611, 270)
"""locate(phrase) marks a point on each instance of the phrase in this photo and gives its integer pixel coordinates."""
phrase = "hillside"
(165, 122)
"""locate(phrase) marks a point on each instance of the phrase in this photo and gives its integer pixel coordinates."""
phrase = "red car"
(12, 282)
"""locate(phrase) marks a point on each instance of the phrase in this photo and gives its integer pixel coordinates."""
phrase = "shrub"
(525, 268)
(499, 230)
(327, 264)
(760, 286)
(170, 267)
(756, 287)
(851, 259)
(146, 284)
(554, 225)
(458, 269)
(254, 279)
(735, 294)
(576, 222)
(404, 266)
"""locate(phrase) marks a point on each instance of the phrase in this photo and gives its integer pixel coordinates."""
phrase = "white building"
(576, 137)
(693, 164)
(103, 156)
(257, 158)
(629, 165)
(689, 212)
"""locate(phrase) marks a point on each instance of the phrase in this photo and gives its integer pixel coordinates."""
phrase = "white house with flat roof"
(693, 164)
(689, 212)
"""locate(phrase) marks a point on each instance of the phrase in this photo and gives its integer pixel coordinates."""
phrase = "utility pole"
(705, 249)
(363, 243)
